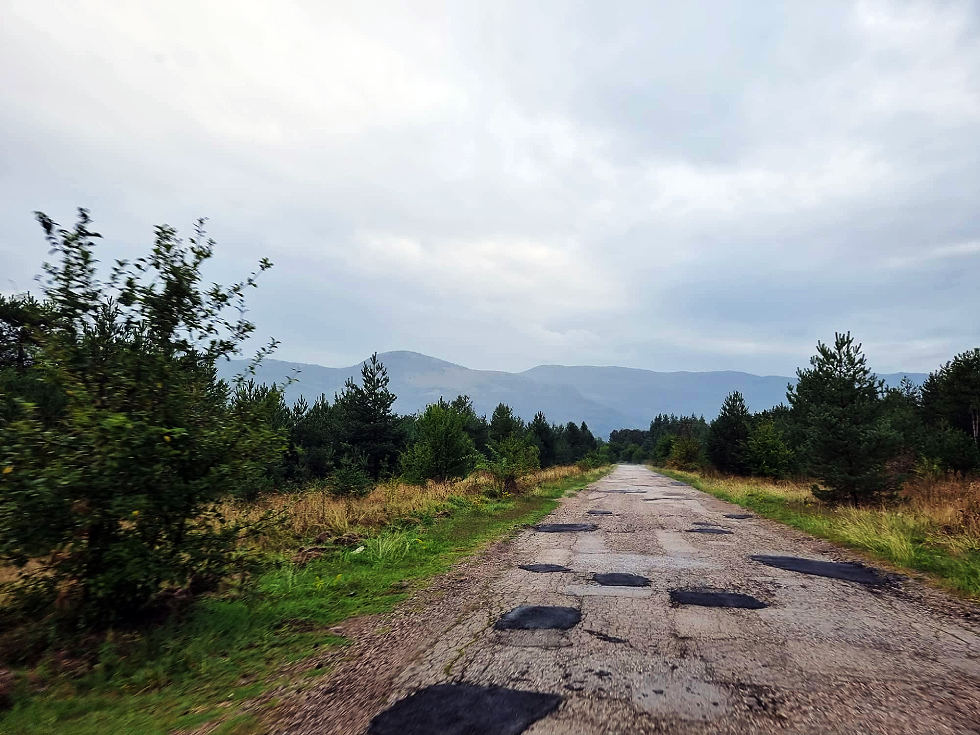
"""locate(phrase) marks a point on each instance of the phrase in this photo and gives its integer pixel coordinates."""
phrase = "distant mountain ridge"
(606, 398)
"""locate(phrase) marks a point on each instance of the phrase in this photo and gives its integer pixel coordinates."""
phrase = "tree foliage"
(369, 425)
(952, 394)
(512, 458)
(839, 402)
(766, 454)
(728, 437)
(115, 496)
(443, 450)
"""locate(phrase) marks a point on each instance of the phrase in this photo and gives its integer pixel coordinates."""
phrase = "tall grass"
(933, 526)
(195, 672)
(316, 513)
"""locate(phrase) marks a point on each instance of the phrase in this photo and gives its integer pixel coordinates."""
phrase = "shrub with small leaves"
(115, 496)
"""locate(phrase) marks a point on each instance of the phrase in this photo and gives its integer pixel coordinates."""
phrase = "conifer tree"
(839, 402)
(542, 435)
(729, 435)
(369, 426)
(503, 423)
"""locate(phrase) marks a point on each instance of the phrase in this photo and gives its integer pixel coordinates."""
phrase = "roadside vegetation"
(934, 527)
(889, 470)
(170, 541)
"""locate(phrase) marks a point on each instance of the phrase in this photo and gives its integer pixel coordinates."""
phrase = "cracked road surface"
(823, 656)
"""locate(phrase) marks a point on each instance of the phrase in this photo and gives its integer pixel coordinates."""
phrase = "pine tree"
(839, 404)
(503, 423)
(729, 435)
(369, 427)
(542, 435)
(952, 393)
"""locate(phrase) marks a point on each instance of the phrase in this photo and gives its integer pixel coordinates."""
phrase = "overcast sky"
(672, 186)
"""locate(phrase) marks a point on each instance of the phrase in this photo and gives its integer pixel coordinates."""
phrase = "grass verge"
(906, 538)
(192, 674)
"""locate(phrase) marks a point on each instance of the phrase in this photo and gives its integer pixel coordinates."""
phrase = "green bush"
(595, 459)
(766, 453)
(685, 453)
(116, 498)
(351, 478)
(510, 459)
(443, 450)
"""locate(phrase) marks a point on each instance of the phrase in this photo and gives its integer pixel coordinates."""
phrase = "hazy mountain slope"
(642, 394)
(606, 398)
(418, 380)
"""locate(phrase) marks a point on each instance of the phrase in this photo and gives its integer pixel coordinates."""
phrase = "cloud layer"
(505, 184)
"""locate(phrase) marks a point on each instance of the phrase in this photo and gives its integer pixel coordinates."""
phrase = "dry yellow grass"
(313, 513)
(933, 526)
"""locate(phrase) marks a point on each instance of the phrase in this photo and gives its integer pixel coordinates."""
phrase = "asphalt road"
(810, 654)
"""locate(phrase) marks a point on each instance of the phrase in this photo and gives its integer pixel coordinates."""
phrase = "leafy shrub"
(510, 459)
(595, 459)
(117, 497)
(685, 453)
(351, 477)
(443, 451)
(766, 453)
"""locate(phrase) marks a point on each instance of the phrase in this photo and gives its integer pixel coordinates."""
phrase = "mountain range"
(606, 398)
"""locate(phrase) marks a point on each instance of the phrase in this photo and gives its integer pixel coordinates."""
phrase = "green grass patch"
(196, 669)
(894, 535)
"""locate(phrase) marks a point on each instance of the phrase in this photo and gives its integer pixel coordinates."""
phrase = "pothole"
(835, 570)
(464, 709)
(704, 598)
(715, 531)
(739, 516)
(544, 568)
(565, 527)
(539, 617)
(599, 512)
(620, 492)
(704, 523)
(621, 579)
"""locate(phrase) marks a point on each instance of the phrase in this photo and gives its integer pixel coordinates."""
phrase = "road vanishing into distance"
(644, 606)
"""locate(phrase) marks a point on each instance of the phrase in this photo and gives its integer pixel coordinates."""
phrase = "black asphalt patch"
(565, 527)
(619, 579)
(739, 516)
(718, 531)
(539, 617)
(599, 512)
(835, 570)
(620, 492)
(542, 568)
(464, 709)
(716, 599)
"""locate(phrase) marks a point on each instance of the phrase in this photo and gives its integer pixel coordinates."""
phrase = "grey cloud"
(505, 184)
